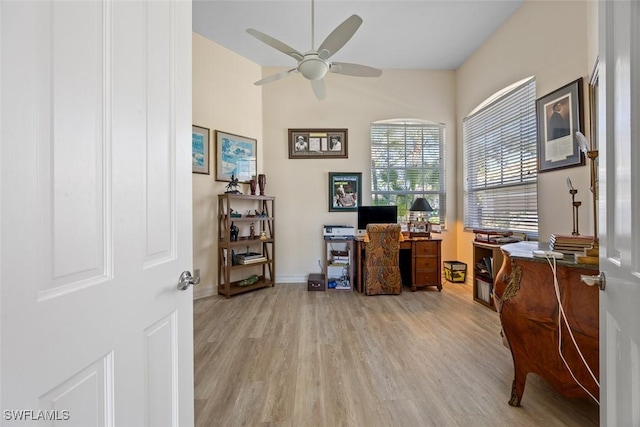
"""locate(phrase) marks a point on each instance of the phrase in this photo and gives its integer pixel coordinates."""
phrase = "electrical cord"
(563, 318)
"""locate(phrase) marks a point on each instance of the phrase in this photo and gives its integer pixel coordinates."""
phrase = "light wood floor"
(284, 356)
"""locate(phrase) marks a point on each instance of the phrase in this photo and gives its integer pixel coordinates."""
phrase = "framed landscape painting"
(235, 156)
(199, 149)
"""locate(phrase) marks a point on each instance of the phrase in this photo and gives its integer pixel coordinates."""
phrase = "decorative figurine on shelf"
(232, 187)
(249, 280)
(262, 182)
(235, 230)
(263, 235)
(252, 231)
(234, 214)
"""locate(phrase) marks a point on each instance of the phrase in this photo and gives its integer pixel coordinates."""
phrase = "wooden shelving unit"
(231, 276)
(483, 279)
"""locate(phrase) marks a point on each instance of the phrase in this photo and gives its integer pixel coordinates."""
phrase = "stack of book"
(249, 258)
(485, 267)
(570, 244)
(495, 237)
(340, 257)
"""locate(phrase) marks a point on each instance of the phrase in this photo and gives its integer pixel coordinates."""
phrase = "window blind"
(407, 161)
(500, 163)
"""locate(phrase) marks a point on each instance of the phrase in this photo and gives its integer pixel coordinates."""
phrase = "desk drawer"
(426, 263)
(426, 248)
(427, 277)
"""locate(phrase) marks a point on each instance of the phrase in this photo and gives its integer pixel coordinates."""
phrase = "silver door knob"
(599, 280)
(186, 280)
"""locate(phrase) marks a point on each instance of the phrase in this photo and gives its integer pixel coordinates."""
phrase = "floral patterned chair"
(382, 253)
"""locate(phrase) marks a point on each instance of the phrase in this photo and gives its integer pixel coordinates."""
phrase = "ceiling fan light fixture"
(313, 68)
(314, 64)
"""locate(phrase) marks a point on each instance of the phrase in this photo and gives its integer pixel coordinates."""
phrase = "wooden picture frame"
(345, 192)
(559, 117)
(318, 144)
(200, 144)
(236, 156)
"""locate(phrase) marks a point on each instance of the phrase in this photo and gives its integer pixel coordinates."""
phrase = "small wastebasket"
(455, 271)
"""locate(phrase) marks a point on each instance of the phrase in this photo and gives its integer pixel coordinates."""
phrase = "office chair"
(382, 258)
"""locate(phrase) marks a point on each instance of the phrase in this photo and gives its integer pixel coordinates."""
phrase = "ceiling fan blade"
(354, 70)
(276, 44)
(278, 76)
(339, 36)
(319, 89)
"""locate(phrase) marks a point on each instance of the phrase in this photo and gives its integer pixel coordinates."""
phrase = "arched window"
(500, 162)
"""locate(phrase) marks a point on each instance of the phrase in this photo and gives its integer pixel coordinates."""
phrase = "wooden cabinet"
(529, 303)
(425, 263)
(338, 263)
(487, 259)
(237, 271)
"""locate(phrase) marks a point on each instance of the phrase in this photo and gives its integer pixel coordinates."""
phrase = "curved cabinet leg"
(517, 388)
(515, 397)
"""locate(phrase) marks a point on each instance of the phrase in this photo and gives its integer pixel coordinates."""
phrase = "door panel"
(85, 395)
(95, 186)
(619, 211)
(72, 227)
(162, 384)
(160, 146)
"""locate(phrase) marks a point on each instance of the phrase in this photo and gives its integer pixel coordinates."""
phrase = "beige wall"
(224, 98)
(301, 185)
(548, 40)
(553, 41)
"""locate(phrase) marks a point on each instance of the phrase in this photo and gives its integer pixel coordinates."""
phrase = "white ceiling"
(414, 34)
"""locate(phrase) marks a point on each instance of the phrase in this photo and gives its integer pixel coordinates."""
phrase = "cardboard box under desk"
(315, 282)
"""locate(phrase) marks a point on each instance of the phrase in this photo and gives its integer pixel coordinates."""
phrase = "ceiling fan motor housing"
(313, 67)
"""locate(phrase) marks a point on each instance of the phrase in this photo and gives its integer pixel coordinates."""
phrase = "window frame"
(406, 175)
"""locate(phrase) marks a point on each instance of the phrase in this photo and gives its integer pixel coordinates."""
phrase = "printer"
(338, 232)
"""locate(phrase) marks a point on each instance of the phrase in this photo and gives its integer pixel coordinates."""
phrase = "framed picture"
(235, 156)
(318, 143)
(344, 191)
(199, 149)
(559, 116)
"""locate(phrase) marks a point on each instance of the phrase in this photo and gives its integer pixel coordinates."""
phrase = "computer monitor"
(376, 215)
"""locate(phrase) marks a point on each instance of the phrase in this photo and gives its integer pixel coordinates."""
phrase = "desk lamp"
(421, 227)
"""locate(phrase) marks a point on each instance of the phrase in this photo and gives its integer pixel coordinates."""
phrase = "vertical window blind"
(407, 161)
(500, 163)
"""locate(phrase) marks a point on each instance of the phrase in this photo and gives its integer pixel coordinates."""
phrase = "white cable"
(562, 317)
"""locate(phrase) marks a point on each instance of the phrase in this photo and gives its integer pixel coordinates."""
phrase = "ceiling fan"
(315, 64)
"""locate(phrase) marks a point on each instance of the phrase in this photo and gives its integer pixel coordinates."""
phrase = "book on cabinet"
(250, 252)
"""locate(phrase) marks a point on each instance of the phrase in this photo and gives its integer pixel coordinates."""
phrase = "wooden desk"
(425, 261)
(526, 300)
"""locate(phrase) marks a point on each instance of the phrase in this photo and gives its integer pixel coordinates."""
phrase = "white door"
(95, 186)
(619, 220)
